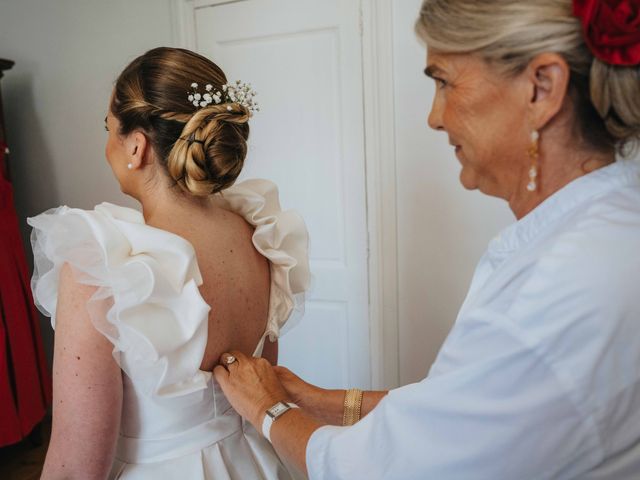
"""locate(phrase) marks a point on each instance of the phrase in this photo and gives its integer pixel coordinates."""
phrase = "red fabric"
(4, 168)
(25, 384)
(611, 29)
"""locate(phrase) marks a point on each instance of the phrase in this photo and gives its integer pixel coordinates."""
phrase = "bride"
(159, 295)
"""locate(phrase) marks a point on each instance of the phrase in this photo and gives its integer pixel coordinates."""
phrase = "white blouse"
(540, 376)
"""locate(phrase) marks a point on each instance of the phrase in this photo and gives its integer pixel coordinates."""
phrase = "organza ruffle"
(147, 301)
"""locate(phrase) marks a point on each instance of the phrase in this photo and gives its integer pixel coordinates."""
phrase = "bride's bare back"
(173, 156)
(235, 275)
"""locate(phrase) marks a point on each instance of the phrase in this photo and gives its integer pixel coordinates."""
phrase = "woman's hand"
(326, 406)
(302, 393)
(250, 385)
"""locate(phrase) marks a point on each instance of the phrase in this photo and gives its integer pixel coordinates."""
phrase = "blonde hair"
(202, 149)
(510, 33)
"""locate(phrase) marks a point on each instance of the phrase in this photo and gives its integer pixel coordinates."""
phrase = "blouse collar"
(616, 175)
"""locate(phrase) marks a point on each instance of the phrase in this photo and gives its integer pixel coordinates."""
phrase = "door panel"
(304, 59)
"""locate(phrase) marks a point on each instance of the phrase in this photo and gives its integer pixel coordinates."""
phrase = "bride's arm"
(87, 391)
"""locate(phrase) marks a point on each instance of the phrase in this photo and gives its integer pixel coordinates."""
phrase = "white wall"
(442, 229)
(68, 54)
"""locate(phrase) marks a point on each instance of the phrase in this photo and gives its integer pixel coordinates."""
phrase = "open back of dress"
(176, 422)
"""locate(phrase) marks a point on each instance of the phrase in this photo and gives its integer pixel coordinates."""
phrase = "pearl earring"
(532, 186)
(130, 166)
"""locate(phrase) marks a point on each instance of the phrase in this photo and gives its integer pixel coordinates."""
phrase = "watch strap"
(268, 420)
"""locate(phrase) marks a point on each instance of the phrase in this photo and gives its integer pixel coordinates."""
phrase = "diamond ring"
(230, 359)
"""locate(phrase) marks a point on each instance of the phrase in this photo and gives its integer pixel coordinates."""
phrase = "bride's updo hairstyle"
(508, 34)
(202, 148)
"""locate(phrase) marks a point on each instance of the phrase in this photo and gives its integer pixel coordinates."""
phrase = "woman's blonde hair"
(510, 33)
(202, 149)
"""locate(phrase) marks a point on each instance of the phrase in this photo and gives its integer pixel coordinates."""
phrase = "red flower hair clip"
(611, 29)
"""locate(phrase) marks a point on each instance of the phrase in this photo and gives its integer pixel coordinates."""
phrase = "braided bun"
(209, 155)
(201, 149)
(615, 93)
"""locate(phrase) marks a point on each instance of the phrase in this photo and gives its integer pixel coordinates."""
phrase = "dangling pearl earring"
(532, 186)
(130, 166)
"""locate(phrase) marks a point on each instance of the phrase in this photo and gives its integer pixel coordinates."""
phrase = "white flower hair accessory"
(238, 92)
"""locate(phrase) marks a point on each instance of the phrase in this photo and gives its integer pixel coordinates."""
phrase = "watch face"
(277, 410)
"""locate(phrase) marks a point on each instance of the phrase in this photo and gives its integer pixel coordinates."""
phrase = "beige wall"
(67, 54)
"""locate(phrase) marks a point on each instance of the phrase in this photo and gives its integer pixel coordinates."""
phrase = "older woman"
(540, 375)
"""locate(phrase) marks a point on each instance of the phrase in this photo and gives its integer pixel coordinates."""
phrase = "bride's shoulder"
(137, 273)
(115, 231)
(89, 240)
(105, 242)
(282, 237)
(104, 212)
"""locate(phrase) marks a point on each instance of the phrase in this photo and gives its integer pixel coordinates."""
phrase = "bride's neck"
(162, 206)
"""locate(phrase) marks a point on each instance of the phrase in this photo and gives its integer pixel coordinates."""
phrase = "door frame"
(376, 31)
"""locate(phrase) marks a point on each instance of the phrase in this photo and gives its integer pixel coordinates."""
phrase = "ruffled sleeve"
(147, 301)
(282, 237)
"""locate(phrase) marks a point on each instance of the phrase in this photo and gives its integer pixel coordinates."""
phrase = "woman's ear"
(136, 146)
(549, 75)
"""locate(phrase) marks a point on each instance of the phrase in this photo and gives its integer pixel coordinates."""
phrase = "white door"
(304, 59)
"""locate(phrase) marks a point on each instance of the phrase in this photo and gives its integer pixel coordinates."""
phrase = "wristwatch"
(272, 414)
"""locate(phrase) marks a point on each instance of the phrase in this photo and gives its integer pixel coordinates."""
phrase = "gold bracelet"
(352, 406)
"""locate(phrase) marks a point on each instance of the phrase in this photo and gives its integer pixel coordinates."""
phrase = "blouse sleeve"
(506, 414)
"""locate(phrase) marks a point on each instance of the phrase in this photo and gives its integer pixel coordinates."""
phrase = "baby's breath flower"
(236, 92)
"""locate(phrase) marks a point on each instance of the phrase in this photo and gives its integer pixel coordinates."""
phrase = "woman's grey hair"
(510, 33)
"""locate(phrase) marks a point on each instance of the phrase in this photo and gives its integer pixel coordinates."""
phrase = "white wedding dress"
(176, 422)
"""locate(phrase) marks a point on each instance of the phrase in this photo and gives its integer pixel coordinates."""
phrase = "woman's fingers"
(289, 380)
(282, 371)
(221, 374)
(249, 384)
(302, 393)
(227, 359)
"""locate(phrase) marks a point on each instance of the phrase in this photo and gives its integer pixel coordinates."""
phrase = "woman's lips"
(459, 154)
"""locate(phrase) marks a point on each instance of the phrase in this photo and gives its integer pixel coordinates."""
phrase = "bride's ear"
(137, 146)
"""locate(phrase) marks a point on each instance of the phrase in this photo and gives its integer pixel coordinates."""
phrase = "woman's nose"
(435, 115)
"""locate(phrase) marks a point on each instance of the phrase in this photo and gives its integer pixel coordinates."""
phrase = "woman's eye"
(440, 83)
(106, 128)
